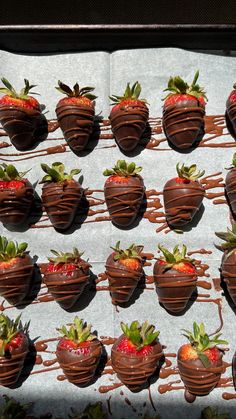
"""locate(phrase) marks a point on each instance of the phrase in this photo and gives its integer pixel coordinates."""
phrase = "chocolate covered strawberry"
(78, 352)
(124, 191)
(200, 361)
(136, 353)
(16, 195)
(183, 195)
(16, 270)
(228, 263)
(13, 349)
(231, 109)
(230, 186)
(75, 114)
(175, 277)
(61, 195)
(124, 268)
(19, 115)
(66, 276)
(129, 116)
(183, 112)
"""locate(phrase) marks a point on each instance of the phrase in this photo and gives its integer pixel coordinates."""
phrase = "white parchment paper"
(109, 74)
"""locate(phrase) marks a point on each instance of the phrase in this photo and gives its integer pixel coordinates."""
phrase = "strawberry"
(124, 191)
(124, 269)
(75, 114)
(13, 349)
(78, 352)
(20, 115)
(61, 195)
(230, 186)
(200, 368)
(66, 276)
(182, 199)
(16, 271)
(228, 263)
(136, 353)
(175, 278)
(183, 112)
(230, 111)
(16, 196)
(129, 116)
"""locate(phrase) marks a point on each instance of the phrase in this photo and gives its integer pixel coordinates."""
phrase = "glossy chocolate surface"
(61, 200)
(198, 379)
(78, 368)
(228, 270)
(66, 289)
(122, 281)
(11, 365)
(20, 125)
(128, 124)
(173, 288)
(183, 122)
(76, 123)
(230, 188)
(182, 201)
(124, 201)
(15, 280)
(134, 371)
(15, 204)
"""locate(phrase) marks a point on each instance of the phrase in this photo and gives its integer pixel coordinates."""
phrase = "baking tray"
(62, 38)
(45, 40)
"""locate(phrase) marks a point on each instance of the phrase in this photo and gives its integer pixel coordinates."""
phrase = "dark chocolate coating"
(124, 200)
(61, 200)
(76, 123)
(15, 281)
(80, 368)
(234, 369)
(12, 363)
(182, 122)
(228, 270)
(173, 288)
(198, 379)
(20, 125)
(182, 201)
(122, 281)
(230, 187)
(128, 124)
(134, 371)
(231, 112)
(66, 289)
(15, 204)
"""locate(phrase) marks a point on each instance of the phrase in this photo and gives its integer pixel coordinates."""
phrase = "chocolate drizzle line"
(122, 281)
(134, 372)
(215, 128)
(128, 124)
(167, 369)
(15, 280)
(78, 368)
(44, 296)
(183, 124)
(76, 122)
(153, 211)
(15, 204)
(11, 366)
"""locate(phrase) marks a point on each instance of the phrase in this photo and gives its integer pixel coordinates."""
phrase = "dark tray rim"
(71, 38)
